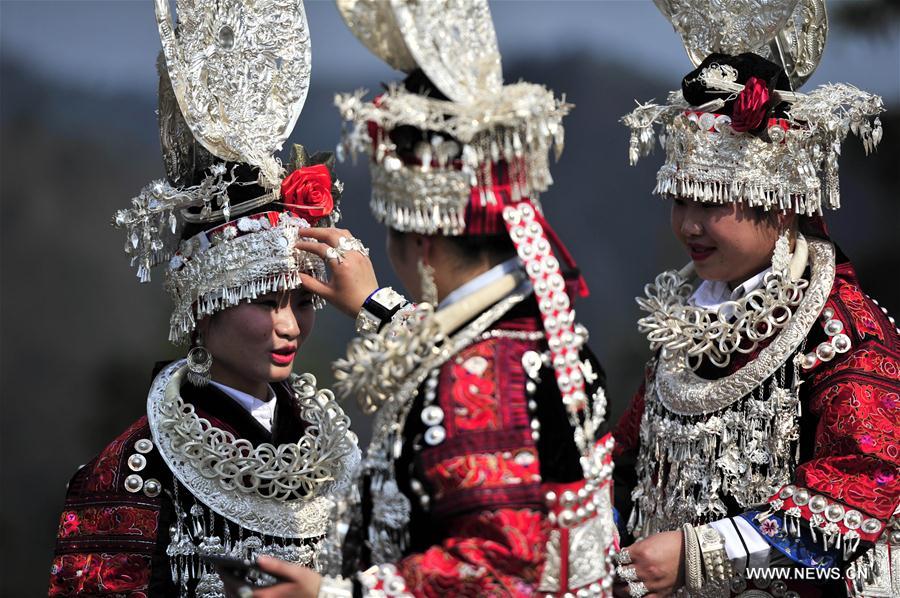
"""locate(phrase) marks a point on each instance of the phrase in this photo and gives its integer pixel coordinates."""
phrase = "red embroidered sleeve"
(851, 486)
(106, 535)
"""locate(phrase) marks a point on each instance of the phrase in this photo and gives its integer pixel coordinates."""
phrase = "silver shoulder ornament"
(282, 491)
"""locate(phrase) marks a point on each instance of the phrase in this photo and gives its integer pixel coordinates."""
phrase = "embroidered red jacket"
(113, 532)
(849, 435)
(480, 522)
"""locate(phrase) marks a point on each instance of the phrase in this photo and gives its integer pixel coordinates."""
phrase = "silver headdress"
(776, 160)
(449, 180)
(233, 81)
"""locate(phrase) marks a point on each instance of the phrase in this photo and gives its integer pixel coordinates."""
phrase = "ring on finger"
(352, 244)
(627, 573)
(624, 557)
(335, 253)
(636, 589)
(245, 592)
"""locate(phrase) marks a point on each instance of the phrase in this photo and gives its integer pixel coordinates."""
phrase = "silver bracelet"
(715, 559)
(693, 562)
(335, 587)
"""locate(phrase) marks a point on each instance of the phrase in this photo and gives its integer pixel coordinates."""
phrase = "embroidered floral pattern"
(100, 574)
(473, 397)
(864, 320)
(496, 553)
(105, 475)
(107, 521)
(485, 470)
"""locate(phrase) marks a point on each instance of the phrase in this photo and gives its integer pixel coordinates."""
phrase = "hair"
(471, 249)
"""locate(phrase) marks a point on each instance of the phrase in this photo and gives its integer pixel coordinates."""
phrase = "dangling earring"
(199, 362)
(426, 279)
(781, 257)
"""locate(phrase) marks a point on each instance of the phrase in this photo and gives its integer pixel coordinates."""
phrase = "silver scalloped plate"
(284, 519)
(685, 393)
(728, 26)
(240, 71)
(788, 32)
(373, 23)
(454, 43)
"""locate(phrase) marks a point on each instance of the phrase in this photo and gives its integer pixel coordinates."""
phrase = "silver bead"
(152, 488)
(566, 518)
(144, 445)
(787, 491)
(134, 483)
(568, 498)
(801, 497)
(707, 121)
(432, 415)
(841, 343)
(535, 425)
(833, 327)
(809, 360)
(825, 351)
(776, 134)
(828, 313)
(871, 526)
(834, 513)
(853, 519)
(532, 405)
(550, 498)
(137, 462)
(817, 503)
(535, 435)
(435, 435)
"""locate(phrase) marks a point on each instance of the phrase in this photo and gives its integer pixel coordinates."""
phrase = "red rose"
(751, 106)
(307, 193)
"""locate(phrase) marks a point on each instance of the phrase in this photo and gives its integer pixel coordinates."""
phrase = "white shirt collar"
(710, 294)
(481, 281)
(262, 411)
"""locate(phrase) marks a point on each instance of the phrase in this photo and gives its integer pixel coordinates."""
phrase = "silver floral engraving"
(240, 72)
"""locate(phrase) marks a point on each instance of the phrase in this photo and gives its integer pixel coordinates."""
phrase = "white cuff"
(757, 548)
(734, 548)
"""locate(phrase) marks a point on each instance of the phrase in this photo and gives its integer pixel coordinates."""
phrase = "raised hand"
(352, 277)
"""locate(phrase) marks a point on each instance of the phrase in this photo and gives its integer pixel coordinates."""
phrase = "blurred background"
(78, 139)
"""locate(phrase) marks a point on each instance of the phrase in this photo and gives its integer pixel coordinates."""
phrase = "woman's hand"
(302, 582)
(658, 562)
(352, 277)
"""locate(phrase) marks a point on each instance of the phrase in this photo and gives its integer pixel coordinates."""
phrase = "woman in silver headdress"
(761, 453)
(488, 472)
(237, 456)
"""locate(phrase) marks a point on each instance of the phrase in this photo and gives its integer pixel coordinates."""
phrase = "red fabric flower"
(751, 106)
(307, 193)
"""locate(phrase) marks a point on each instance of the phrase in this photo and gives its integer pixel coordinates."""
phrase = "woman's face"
(253, 344)
(728, 242)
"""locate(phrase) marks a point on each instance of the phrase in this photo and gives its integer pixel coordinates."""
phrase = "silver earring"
(426, 280)
(199, 362)
(781, 257)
